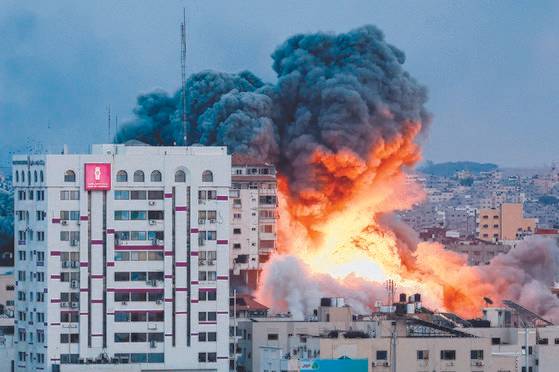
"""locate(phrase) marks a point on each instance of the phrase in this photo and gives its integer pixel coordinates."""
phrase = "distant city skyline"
(490, 69)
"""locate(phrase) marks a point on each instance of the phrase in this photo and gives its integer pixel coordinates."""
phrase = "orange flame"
(336, 227)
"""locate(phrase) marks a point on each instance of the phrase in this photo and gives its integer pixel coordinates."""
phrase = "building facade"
(506, 222)
(117, 261)
(253, 219)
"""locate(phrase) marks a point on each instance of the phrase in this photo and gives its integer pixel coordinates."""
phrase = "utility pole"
(234, 330)
(183, 74)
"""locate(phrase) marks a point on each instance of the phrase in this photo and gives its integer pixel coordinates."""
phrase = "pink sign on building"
(98, 176)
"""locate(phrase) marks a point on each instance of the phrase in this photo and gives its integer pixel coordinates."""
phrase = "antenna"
(109, 123)
(116, 127)
(391, 289)
(183, 73)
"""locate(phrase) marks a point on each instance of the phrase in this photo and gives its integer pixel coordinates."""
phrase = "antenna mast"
(183, 73)
(109, 123)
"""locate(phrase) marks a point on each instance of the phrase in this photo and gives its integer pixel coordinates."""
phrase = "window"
(122, 195)
(201, 357)
(139, 176)
(237, 246)
(495, 341)
(180, 176)
(382, 355)
(476, 354)
(448, 354)
(155, 195)
(236, 231)
(138, 215)
(273, 336)
(138, 235)
(35, 177)
(155, 215)
(207, 176)
(70, 195)
(206, 295)
(138, 337)
(122, 215)
(121, 176)
(17, 176)
(69, 176)
(122, 337)
(138, 276)
(41, 176)
(155, 176)
(138, 195)
(121, 276)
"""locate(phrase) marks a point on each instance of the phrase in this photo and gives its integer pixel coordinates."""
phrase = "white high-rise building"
(122, 256)
(253, 218)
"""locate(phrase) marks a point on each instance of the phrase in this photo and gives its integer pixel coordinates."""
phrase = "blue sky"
(491, 67)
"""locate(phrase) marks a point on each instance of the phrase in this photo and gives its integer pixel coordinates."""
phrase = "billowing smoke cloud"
(335, 94)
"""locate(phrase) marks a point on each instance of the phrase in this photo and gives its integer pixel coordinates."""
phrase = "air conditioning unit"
(479, 363)
(385, 364)
(74, 243)
(64, 304)
(66, 264)
(64, 222)
(124, 303)
(158, 302)
(211, 262)
(152, 344)
(201, 262)
(373, 364)
(151, 202)
(153, 283)
(75, 305)
(152, 222)
(74, 284)
(74, 264)
(212, 220)
(201, 221)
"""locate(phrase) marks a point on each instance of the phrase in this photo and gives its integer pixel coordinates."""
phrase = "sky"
(491, 68)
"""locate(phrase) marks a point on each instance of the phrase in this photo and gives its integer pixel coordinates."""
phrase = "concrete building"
(253, 219)
(505, 222)
(7, 291)
(118, 260)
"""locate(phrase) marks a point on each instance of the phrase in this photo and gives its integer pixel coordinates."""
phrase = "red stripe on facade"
(194, 282)
(194, 230)
(139, 311)
(168, 300)
(55, 300)
(55, 253)
(96, 242)
(84, 313)
(168, 253)
(167, 195)
(96, 301)
(194, 253)
(137, 290)
(110, 231)
(221, 197)
(208, 322)
(223, 312)
(181, 264)
(223, 277)
(181, 208)
(180, 289)
(168, 276)
(55, 276)
(84, 218)
(83, 289)
(222, 242)
(68, 311)
(55, 324)
(181, 312)
(207, 289)
(110, 313)
(110, 264)
(194, 301)
(84, 264)
(56, 220)
(139, 248)
(97, 276)
(97, 335)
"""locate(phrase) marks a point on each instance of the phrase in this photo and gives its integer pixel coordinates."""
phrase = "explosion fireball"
(342, 124)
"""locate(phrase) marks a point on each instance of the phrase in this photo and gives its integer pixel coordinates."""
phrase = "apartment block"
(253, 218)
(122, 257)
(506, 222)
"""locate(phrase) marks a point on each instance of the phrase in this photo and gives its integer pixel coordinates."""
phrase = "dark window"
(139, 176)
(138, 195)
(448, 354)
(272, 336)
(138, 337)
(138, 296)
(155, 195)
(202, 357)
(476, 354)
(122, 337)
(155, 215)
(69, 176)
(122, 296)
(122, 276)
(155, 176)
(180, 176)
(422, 354)
(121, 176)
(207, 176)
(156, 316)
(382, 354)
